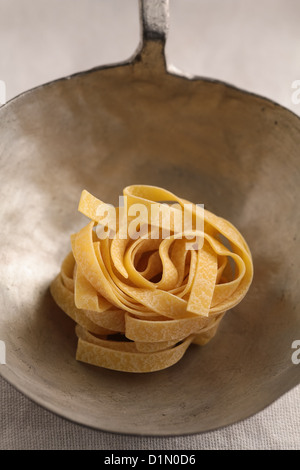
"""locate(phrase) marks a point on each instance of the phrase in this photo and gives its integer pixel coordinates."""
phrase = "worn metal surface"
(155, 19)
(206, 141)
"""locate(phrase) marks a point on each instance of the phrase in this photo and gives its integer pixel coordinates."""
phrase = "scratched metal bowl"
(204, 140)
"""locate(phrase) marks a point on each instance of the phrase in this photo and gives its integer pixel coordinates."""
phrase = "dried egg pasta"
(140, 301)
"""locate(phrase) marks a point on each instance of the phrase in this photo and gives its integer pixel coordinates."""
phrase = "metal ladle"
(205, 140)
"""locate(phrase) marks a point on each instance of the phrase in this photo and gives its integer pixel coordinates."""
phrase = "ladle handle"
(155, 19)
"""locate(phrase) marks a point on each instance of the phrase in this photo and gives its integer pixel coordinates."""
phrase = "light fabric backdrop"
(254, 45)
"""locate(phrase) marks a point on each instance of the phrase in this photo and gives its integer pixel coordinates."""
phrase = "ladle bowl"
(101, 130)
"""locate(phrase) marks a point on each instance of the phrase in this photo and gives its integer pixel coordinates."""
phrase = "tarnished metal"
(155, 19)
(208, 142)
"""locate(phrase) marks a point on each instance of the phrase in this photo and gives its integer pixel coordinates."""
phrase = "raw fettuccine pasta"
(141, 286)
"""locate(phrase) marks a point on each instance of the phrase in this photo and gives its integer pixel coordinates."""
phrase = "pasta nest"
(141, 292)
